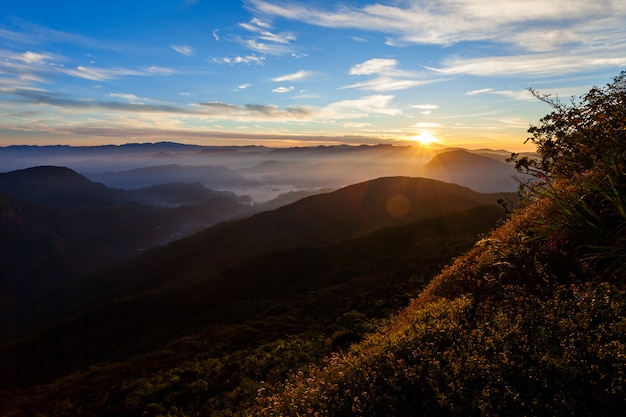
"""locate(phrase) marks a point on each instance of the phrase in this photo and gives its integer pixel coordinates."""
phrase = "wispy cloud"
(374, 66)
(132, 98)
(449, 21)
(101, 74)
(387, 84)
(32, 57)
(157, 70)
(545, 64)
(296, 76)
(388, 76)
(264, 40)
(247, 59)
(534, 33)
(426, 109)
(480, 91)
(254, 111)
(266, 48)
(362, 107)
(183, 49)
(128, 104)
(42, 97)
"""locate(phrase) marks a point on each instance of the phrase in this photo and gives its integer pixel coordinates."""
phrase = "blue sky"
(282, 73)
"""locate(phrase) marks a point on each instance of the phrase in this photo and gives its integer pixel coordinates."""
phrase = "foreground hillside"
(513, 327)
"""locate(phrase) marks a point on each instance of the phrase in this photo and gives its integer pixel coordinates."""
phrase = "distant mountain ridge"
(211, 176)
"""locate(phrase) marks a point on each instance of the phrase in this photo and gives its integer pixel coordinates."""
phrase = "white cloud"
(283, 38)
(545, 64)
(374, 66)
(283, 89)
(296, 76)
(216, 35)
(387, 84)
(450, 21)
(266, 48)
(132, 98)
(476, 92)
(425, 106)
(243, 86)
(33, 57)
(157, 70)
(248, 59)
(264, 40)
(182, 49)
(389, 77)
(260, 23)
(101, 74)
(541, 37)
(362, 107)
(125, 96)
(98, 74)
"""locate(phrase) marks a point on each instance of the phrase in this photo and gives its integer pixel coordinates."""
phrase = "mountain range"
(98, 276)
(264, 173)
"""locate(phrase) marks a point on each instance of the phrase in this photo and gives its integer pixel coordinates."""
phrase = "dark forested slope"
(365, 248)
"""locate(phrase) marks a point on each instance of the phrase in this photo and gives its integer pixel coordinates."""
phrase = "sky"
(298, 73)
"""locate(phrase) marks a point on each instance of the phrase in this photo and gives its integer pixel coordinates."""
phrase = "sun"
(424, 138)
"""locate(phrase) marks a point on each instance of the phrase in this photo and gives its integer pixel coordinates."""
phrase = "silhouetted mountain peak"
(479, 172)
(52, 185)
(460, 157)
(49, 173)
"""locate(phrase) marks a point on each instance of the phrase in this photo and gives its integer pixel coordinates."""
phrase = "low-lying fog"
(265, 173)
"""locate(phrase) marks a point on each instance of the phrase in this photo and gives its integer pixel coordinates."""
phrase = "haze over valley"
(261, 174)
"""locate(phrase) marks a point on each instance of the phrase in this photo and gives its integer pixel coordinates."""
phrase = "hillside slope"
(313, 221)
(56, 225)
(529, 322)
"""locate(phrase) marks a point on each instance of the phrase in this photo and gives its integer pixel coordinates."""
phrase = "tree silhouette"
(587, 134)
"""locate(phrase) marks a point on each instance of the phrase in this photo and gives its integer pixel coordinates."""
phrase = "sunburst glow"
(425, 138)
